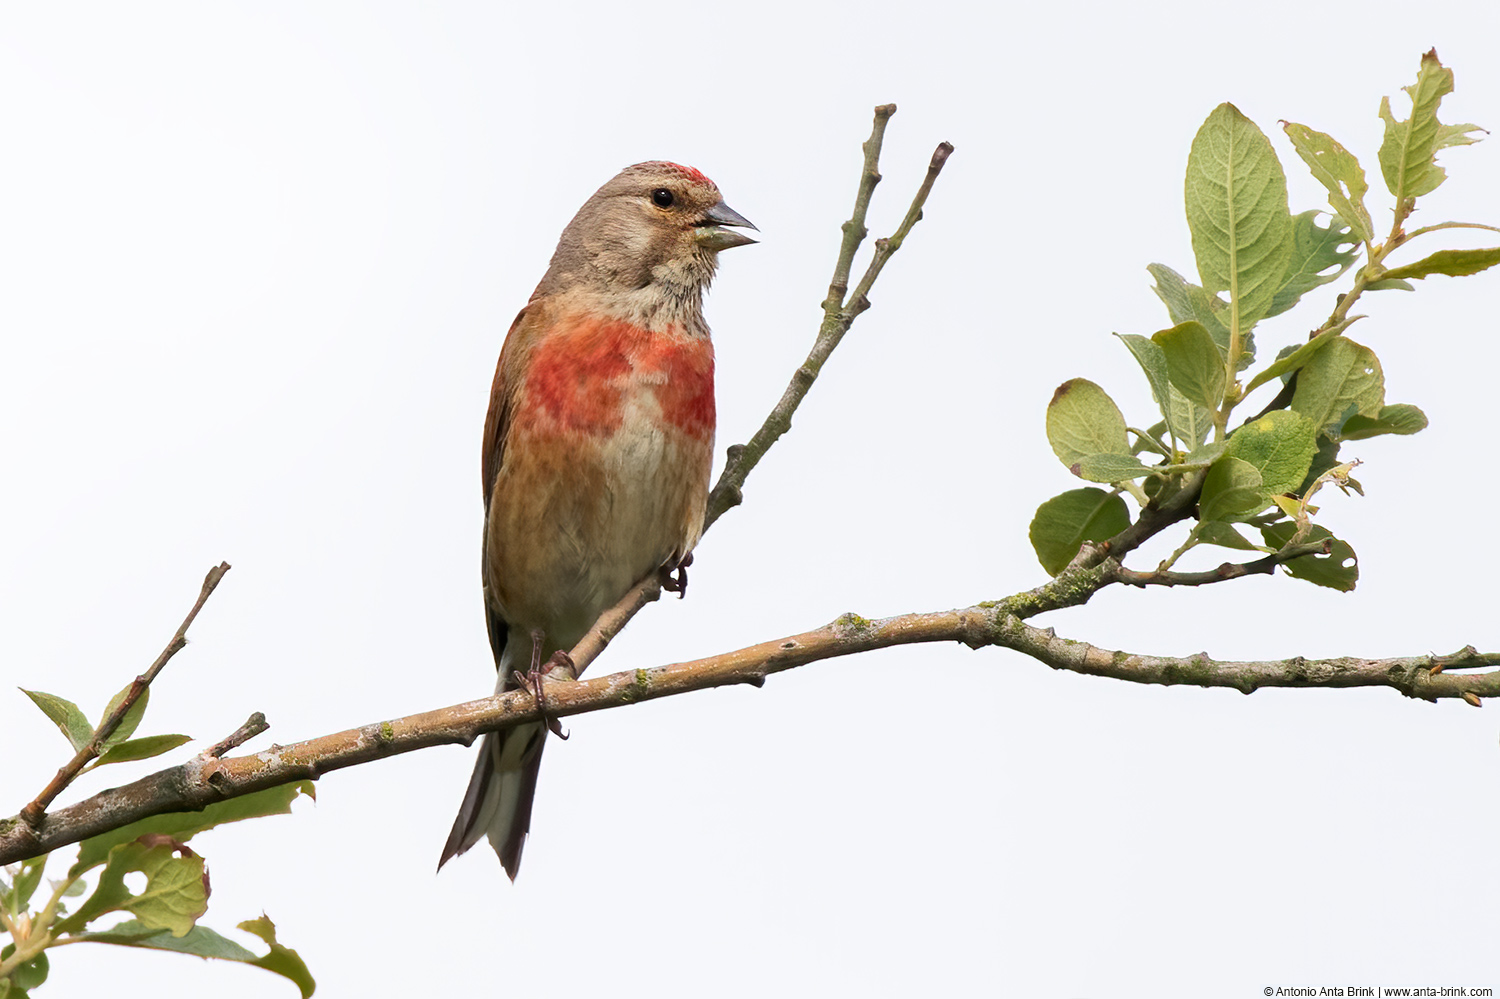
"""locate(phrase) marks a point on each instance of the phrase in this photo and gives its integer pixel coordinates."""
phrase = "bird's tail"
(498, 801)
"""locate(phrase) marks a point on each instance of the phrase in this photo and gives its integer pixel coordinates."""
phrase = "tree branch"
(204, 779)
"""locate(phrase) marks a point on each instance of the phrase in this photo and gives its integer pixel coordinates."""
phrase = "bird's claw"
(532, 681)
(674, 578)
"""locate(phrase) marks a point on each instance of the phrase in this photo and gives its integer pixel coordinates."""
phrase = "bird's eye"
(662, 197)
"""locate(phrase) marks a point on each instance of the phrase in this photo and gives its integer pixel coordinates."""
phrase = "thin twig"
(254, 725)
(838, 318)
(612, 621)
(32, 813)
(885, 248)
(854, 229)
(1228, 570)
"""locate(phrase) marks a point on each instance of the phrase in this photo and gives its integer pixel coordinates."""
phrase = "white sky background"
(256, 264)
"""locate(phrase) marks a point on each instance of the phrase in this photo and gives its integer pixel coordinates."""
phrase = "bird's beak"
(711, 234)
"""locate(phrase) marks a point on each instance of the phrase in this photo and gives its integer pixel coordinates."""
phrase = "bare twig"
(32, 813)
(254, 725)
(205, 780)
(885, 248)
(838, 317)
(854, 229)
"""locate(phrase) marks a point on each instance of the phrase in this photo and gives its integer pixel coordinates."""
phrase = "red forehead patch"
(691, 173)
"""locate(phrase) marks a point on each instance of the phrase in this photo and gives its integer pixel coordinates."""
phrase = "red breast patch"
(578, 377)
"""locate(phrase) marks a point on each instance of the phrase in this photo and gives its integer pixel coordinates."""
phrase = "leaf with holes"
(1338, 570)
(1336, 169)
(1292, 358)
(1408, 154)
(1342, 380)
(1318, 257)
(176, 891)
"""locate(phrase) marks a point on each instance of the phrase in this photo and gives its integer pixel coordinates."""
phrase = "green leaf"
(282, 960)
(1315, 249)
(1408, 152)
(1336, 169)
(1111, 468)
(1237, 213)
(1390, 285)
(1082, 420)
(1232, 490)
(1291, 360)
(65, 715)
(1343, 379)
(1154, 363)
(1453, 263)
(175, 895)
(18, 895)
(1065, 522)
(1186, 301)
(132, 717)
(1194, 364)
(1338, 570)
(1398, 419)
(28, 975)
(201, 941)
(1155, 432)
(143, 748)
(1280, 445)
(1206, 454)
(1193, 422)
(1185, 420)
(1216, 532)
(184, 825)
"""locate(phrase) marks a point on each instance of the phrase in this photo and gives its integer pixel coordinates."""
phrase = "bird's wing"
(496, 429)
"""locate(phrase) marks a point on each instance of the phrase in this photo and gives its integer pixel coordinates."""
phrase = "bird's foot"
(674, 578)
(533, 680)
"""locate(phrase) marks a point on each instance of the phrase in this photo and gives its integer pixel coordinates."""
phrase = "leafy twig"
(32, 813)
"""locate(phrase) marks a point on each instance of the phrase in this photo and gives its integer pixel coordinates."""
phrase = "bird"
(598, 446)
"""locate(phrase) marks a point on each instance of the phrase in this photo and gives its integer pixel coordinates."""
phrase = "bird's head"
(655, 227)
